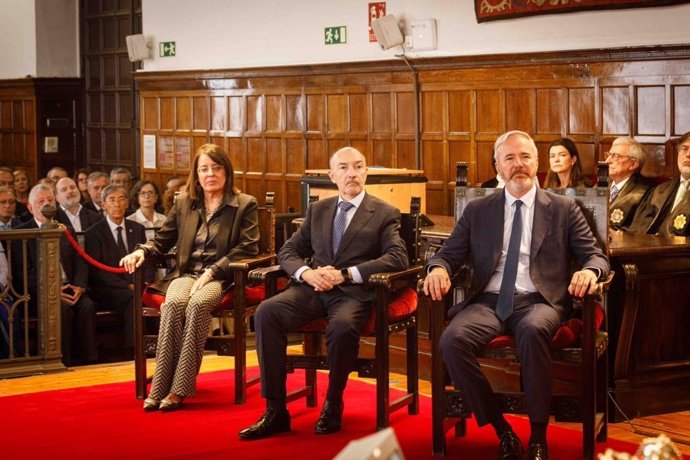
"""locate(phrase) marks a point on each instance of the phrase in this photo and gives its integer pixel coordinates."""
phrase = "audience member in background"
(521, 285)
(565, 167)
(22, 185)
(70, 211)
(96, 183)
(212, 225)
(108, 241)
(343, 240)
(173, 183)
(8, 206)
(496, 181)
(78, 313)
(4, 313)
(626, 158)
(81, 177)
(170, 194)
(49, 182)
(121, 176)
(7, 180)
(56, 173)
(665, 209)
(144, 198)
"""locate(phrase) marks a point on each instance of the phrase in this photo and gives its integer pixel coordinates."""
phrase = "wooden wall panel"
(278, 122)
(680, 111)
(651, 110)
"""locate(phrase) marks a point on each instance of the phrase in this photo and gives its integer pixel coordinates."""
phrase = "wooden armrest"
(252, 263)
(265, 274)
(395, 280)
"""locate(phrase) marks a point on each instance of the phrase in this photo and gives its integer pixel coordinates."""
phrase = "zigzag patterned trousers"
(182, 335)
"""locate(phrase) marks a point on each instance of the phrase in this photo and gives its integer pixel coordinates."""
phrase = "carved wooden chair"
(394, 311)
(238, 304)
(579, 348)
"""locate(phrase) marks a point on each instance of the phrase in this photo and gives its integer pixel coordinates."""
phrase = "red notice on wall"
(376, 10)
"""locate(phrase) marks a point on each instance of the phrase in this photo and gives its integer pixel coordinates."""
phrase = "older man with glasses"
(108, 241)
(628, 186)
(665, 209)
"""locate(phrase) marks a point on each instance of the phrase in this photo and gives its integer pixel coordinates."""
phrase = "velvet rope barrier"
(90, 259)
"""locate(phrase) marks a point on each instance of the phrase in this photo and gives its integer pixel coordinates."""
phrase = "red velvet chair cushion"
(402, 306)
(568, 335)
(153, 299)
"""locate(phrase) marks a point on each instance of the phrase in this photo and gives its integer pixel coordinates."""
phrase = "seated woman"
(81, 177)
(565, 169)
(144, 197)
(213, 224)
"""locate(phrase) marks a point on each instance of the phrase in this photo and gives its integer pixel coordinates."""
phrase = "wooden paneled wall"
(277, 122)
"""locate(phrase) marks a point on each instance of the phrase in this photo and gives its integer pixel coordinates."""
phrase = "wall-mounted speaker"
(138, 47)
(387, 31)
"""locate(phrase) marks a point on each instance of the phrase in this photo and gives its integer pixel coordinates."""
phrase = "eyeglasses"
(215, 169)
(615, 156)
(119, 199)
(8, 202)
(147, 193)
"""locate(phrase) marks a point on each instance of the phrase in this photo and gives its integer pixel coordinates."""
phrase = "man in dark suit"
(346, 239)
(665, 210)
(108, 241)
(97, 181)
(520, 285)
(626, 158)
(78, 312)
(70, 212)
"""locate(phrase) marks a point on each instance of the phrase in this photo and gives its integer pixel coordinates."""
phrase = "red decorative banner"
(490, 10)
(376, 10)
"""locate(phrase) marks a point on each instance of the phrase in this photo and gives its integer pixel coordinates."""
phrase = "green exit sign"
(335, 35)
(166, 49)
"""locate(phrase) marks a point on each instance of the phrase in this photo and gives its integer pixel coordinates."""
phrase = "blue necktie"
(340, 223)
(504, 304)
(614, 192)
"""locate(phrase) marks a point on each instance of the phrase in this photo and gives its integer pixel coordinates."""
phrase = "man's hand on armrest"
(436, 283)
(583, 282)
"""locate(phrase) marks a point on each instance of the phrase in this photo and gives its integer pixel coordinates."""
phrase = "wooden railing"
(39, 350)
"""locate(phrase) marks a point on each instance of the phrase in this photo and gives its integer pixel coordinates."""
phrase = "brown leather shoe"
(330, 419)
(270, 423)
(510, 447)
(537, 451)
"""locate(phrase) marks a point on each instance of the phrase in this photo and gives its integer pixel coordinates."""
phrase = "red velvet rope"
(90, 259)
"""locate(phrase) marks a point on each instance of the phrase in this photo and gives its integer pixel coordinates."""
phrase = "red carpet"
(107, 422)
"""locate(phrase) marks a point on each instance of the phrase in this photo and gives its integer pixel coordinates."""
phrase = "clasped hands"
(323, 279)
(70, 294)
(437, 283)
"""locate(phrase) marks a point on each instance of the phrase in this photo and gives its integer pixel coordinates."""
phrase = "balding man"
(626, 158)
(347, 238)
(70, 212)
(78, 312)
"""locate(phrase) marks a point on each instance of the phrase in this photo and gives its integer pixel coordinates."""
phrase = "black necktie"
(340, 223)
(120, 242)
(504, 304)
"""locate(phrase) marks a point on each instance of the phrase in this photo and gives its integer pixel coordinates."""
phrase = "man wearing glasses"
(628, 186)
(108, 241)
(8, 206)
(665, 210)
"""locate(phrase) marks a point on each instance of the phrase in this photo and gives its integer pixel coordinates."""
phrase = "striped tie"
(340, 223)
(614, 192)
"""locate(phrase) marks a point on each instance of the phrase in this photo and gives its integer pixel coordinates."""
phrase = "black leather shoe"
(270, 423)
(537, 451)
(330, 419)
(510, 447)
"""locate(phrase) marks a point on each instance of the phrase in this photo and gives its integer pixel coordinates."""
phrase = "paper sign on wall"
(149, 151)
(376, 10)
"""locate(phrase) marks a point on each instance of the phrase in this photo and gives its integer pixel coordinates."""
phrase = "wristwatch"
(346, 274)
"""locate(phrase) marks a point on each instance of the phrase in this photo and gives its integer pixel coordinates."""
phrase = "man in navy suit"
(346, 239)
(78, 313)
(521, 284)
(108, 241)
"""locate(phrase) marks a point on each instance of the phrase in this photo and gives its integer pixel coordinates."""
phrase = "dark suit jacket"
(76, 269)
(92, 207)
(371, 242)
(237, 239)
(101, 245)
(559, 230)
(622, 208)
(654, 213)
(87, 217)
